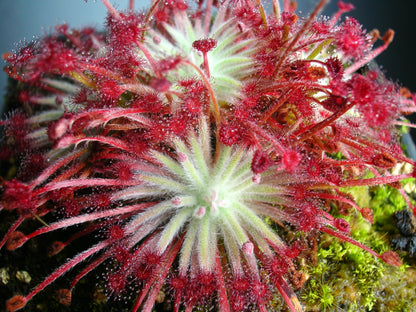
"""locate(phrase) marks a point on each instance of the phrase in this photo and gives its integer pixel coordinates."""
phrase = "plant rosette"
(197, 148)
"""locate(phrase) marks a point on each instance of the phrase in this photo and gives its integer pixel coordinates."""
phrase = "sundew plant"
(199, 144)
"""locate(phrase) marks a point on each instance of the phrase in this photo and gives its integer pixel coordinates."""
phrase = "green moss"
(345, 276)
(348, 278)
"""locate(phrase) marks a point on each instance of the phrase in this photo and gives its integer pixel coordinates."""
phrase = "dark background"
(398, 60)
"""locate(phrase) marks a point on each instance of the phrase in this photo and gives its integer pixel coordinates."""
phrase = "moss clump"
(345, 277)
(349, 279)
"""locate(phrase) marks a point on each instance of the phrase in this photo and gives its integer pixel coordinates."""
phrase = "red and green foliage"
(187, 137)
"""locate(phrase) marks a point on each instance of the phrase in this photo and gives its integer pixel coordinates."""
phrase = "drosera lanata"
(186, 137)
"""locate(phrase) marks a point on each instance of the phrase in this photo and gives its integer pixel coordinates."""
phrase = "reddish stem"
(399, 157)
(207, 20)
(88, 269)
(131, 5)
(349, 240)
(265, 135)
(111, 9)
(276, 106)
(326, 122)
(11, 230)
(299, 33)
(159, 277)
(286, 6)
(151, 11)
(375, 181)
(89, 217)
(210, 91)
(80, 183)
(102, 139)
(221, 291)
(369, 57)
(150, 58)
(54, 167)
(287, 294)
(335, 197)
(66, 267)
